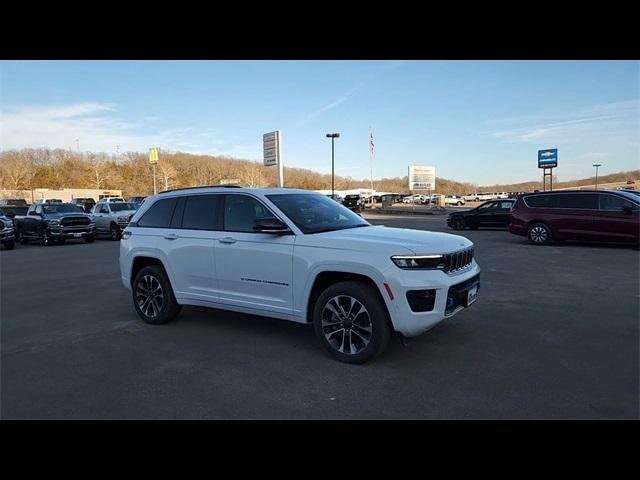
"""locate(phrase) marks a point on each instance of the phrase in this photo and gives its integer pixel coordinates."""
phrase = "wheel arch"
(142, 261)
(326, 278)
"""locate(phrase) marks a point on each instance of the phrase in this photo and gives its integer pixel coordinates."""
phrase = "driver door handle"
(227, 240)
(171, 236)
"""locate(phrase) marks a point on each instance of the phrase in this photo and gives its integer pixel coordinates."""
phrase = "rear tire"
(351, 322)
(458, 223)
(539, 234)
(153, 296)
(459, 203)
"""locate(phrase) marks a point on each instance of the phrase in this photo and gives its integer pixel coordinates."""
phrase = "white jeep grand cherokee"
(294, 255)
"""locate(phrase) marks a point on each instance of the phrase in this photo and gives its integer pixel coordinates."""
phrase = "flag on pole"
(371, 142)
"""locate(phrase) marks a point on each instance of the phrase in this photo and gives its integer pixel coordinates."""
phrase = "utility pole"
(332, 136)
(597, 165)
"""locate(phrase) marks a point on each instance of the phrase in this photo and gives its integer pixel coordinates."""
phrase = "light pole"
(597, 165)
(332, 136)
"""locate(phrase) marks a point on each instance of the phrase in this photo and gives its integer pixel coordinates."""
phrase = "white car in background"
(454, 200)
(298, 256)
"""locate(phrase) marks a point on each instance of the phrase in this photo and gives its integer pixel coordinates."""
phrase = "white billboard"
(422, 177)
(271, 148)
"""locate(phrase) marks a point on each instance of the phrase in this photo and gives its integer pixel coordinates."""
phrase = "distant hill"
(45, 168)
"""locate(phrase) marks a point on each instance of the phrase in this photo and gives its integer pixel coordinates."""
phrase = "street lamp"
(332, 136)
(596, 165)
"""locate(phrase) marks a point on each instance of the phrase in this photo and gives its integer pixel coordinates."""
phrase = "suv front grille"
(75, 221)
(457, 260)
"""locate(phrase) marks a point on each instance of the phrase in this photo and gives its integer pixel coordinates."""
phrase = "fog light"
(421, 300)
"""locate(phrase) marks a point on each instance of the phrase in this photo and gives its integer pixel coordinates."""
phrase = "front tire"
(114, 232)
(9, 245)
(89, 239)
(21, 238)
(351, 322)
(539, 234)
(47, 241)
(153, 296)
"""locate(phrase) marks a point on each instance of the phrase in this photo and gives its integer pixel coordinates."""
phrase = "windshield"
(119, 207)
(314, 213)
(62, 208)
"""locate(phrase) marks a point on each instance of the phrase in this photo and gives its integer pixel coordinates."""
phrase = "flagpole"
(371, 165)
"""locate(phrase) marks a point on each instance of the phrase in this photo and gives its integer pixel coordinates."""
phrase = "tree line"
(31, 168)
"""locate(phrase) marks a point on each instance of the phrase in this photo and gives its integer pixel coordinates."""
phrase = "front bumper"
(72, 232)
(7, 234)
(446, 287)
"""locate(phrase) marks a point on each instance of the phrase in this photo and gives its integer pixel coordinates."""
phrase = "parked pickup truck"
(112, 217)
(12, 207)
(54, 222)
(6, 231)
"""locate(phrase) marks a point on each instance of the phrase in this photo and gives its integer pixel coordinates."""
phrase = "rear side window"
(613, 202)
(202, 212)
(584, 201)
(159, 215)
(579, 201)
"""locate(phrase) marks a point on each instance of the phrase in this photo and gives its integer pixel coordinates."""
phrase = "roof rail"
(201, 186)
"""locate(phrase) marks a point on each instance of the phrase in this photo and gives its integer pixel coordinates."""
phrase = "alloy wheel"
(539, 234)
(346, 324)
(150, 296)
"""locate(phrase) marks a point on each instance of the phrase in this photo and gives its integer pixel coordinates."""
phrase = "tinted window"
(540, 201)
(314, 213)
(159, 215)
(613, 202)
(587, 201)
(487, 206)
(202, 212)
(241, 211)
(506, 205)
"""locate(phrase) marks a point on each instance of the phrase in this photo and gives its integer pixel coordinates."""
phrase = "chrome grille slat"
(458, 260)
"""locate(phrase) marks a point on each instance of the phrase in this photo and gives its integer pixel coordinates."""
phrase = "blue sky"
(475, 121)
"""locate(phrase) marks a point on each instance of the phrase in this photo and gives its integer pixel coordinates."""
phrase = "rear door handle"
(171, 236)
(227, 240)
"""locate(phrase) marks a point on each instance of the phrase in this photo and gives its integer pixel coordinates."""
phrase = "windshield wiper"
(333, 229)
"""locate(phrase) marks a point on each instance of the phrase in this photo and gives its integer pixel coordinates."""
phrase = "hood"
(381, 239)
(462, 211)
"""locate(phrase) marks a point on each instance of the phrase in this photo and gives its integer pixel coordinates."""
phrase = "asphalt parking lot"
(554, 335)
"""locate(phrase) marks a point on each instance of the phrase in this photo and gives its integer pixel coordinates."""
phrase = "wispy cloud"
(97, 127)
(571, 126)
(333, 104)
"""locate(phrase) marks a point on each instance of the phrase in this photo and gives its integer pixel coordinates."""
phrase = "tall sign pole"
(272, 153)
(153, 160)
(547, 160)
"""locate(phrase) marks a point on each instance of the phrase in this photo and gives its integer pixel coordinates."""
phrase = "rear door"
(190, 244)
(486, 216)
(503, 213)
(254, 270)
(574, 215)
(612, 222)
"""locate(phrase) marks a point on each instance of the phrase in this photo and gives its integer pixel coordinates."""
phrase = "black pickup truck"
(354, 202)
(7, 237)
(12, 207)
(54, 222)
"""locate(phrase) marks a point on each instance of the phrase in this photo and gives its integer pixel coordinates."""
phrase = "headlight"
(54, 223)
(419, 262)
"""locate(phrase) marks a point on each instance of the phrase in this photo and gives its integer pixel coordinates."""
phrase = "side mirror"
(627, 209)
(270, 225)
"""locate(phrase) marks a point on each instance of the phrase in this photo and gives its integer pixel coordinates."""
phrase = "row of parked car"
(609, 216)
(54, 221)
